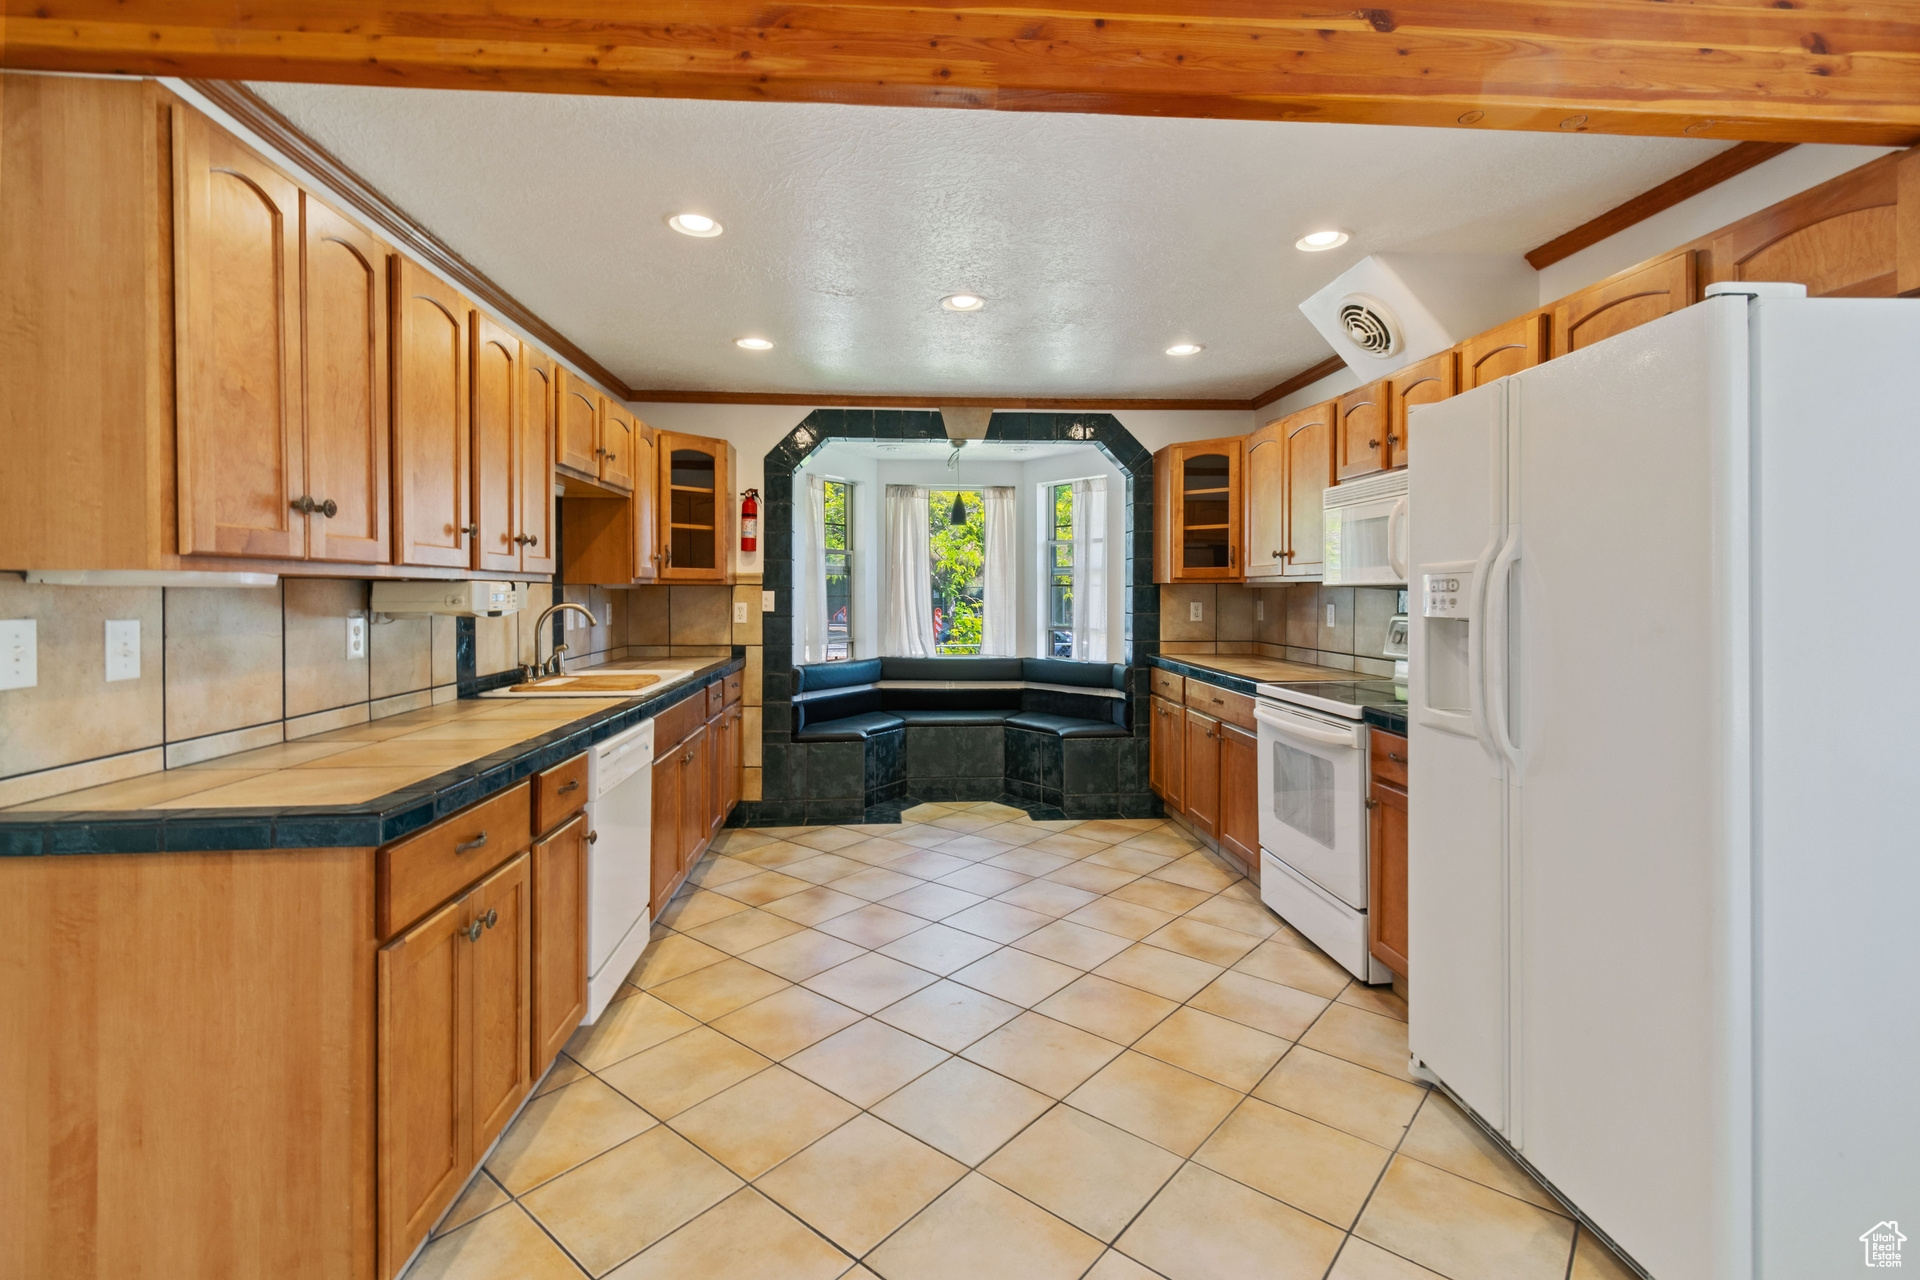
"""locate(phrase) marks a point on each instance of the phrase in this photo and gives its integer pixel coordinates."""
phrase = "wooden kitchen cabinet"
(1853, 236)
(345, 353)
(664, 844)
(1422, 382)
(1240, 796)
(578, 415)
(696, 782)
(1200, 484)
(1623, 302)
(1308, 436)
(1387, 851)
(1266, 502)
(696, 799)
(618, 449)
(643, 518)
(539, 427)
(1364, 419)
(1202, 787)
(498, 382)
(559, 938)
(695, 509)
(502, 959)
(1166, 768)
(1516, 345)
(432, 425)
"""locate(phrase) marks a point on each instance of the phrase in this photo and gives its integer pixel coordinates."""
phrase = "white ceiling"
(1098, 240)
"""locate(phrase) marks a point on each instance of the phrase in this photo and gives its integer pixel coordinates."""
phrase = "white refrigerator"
(1664, 777)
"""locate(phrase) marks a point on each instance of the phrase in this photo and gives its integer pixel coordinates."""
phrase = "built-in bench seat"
(967, 728)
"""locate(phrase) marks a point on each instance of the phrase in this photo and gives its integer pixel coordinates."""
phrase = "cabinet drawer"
(716, 698)
(1389, 757)
(1167, 685)
(671, 726)
(559, 793)
(1234, 708)
(734, 684)
(423, 871)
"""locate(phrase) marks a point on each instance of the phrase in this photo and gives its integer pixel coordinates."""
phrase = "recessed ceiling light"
(963, 302)
(695, 224)
(1184, 349)
(753, 344)
(1320, 240)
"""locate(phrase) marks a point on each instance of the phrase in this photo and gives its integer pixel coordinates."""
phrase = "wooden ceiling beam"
(1786, 71)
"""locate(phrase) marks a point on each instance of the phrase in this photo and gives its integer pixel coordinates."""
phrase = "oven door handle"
(1301, 729)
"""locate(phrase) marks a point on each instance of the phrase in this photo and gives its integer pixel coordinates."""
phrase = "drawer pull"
(573, 785)
(1396, 758)
(492, 917)
(473, 931)
(474, 843)
(593, 837)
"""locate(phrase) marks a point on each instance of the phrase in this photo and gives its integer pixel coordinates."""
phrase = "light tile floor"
(973, 1045)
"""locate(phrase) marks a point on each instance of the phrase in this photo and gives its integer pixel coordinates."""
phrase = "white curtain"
(909, 629)
(1090, 569)
(812, 575)
(1000, 592)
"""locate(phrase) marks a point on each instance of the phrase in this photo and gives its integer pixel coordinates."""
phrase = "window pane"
(836, 499)
(959, 561)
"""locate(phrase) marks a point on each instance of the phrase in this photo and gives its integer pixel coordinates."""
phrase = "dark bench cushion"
(981, 716)
(1087, 675)
(1065, 726)
(990, 669)
(977, 698)
(835, 675)
(849, 728)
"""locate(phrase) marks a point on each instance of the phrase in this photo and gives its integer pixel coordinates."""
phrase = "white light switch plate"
(1259, 609)
(1333, 616)
(766, 602)
(1193, 611)
(739, 610)
(19, 650)
(123, 649)
(356, 638)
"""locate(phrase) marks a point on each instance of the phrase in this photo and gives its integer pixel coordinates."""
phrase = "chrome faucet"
(553, 665)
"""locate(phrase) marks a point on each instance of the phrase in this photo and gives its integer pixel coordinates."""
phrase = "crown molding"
(1305, 378)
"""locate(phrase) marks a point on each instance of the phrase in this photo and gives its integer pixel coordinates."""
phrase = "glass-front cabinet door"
(1207, 510)
(694, 508)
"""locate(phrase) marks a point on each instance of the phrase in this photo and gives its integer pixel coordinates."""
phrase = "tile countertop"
(1241, 674)
(356, 787)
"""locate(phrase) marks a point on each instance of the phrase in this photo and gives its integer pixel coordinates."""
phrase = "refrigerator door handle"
(1476, 650)
(1495, 604)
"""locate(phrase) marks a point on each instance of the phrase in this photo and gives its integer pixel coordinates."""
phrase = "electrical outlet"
(19, 653)
(356, 638)
(1333, 616)
(739, 610)
(123, 649)
(766, 602)
(1193, 611)
(1259, 609)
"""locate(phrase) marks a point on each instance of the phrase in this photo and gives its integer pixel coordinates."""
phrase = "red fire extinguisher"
(750, 520)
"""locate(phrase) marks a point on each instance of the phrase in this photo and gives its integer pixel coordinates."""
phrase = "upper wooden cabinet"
(1623, 302)
(1856, 236)
(695, 507)
(617, 448)
(1308, 436)
(1513, 346)
(498, 382)
(1200, 483)
(242, 465)
(1266, 502)
(432, 478)
(539, 403)
(1364, 418)
(1423, 382)
(578, 415)
(345, 349)
(643, 524)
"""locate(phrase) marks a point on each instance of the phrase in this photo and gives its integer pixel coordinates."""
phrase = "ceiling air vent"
(1369, 324)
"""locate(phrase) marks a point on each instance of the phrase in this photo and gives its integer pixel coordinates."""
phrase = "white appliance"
(1313, 821)
(619, 860)
(458, 599)
(1662, 856)
(1365, 526)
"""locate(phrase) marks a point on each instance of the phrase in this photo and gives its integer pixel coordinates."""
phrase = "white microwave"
(1366, 531)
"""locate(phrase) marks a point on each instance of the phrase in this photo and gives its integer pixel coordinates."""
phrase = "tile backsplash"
(221, 670)
(1288, 621)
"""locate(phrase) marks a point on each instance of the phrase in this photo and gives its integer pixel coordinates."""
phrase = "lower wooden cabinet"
(1240, 795)
(1202, 788)
(559, 938)
(696, 782)
(453, 1021)
(1166, 770)
(1387, 852)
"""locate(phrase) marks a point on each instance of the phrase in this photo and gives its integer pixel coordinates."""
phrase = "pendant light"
(959, 513)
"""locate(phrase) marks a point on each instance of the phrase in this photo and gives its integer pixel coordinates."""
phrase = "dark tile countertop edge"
(31, 833)
(1207, 675)
(1379, 717)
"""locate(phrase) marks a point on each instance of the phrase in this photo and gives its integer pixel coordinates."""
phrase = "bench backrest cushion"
(1000, 670)
(835, 675)
(1089, 675)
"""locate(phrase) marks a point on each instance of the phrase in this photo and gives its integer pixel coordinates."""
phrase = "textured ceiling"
(1098, 240)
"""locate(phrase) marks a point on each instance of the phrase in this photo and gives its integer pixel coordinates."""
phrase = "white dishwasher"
(619, 860)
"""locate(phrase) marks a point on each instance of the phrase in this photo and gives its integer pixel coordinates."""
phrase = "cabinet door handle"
(492, 917)
(474, 843)
(304, 505)
(329, 508)
(1373, 444)
(593, 837)
(473, 931)
(565, 787)
(1393, 439)
(468, 530)
(1373, 804)
(1398, 759)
